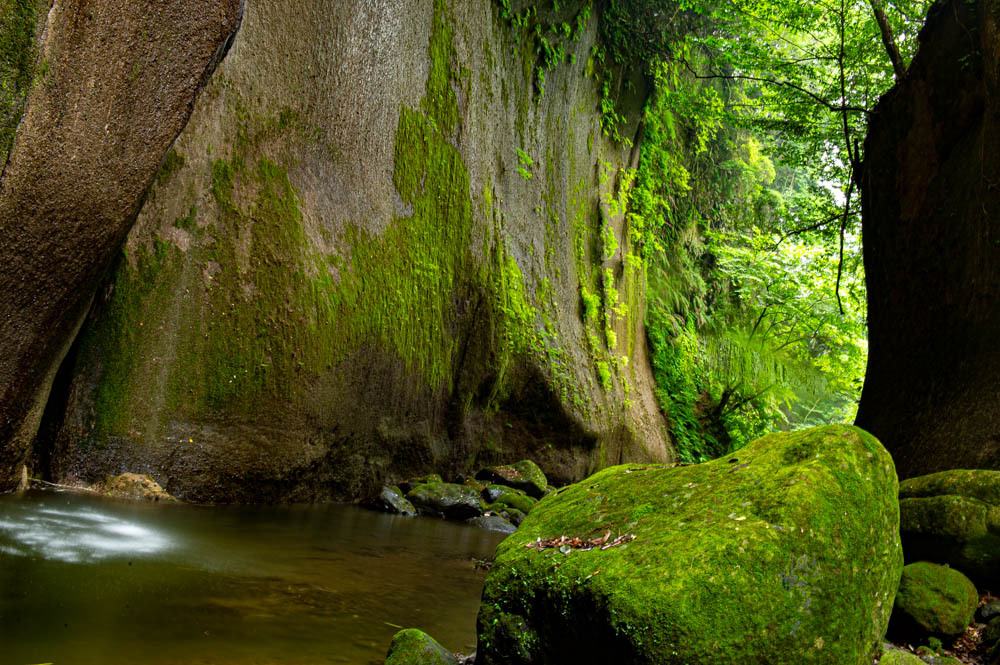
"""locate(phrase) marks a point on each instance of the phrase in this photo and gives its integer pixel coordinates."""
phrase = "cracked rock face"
(114, 85)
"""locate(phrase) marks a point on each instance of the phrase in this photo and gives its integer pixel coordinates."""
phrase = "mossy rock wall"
(364, 258)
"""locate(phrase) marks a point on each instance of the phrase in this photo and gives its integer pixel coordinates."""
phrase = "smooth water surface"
(86, 580)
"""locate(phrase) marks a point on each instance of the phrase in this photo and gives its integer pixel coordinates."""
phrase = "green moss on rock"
(938, 599)
(982, 484)
(456, 502)
(785, 553)
(18, 22)
(524, 475)
(899, 657)
(517, 502)
(415, 647)
(953, 517)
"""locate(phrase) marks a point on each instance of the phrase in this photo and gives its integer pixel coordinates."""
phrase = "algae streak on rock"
(365, 260)
(785, 552)
(114, 87)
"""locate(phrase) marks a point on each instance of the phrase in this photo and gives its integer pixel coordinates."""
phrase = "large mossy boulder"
(415, 647)
(934, 599)
(784, 552)
(953, 517)
(454, 502)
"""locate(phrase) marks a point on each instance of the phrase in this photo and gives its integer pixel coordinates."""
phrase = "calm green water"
(85, 580)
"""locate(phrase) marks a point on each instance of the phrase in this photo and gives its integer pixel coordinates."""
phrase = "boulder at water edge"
(455, 502)
(415, 647)
(524, 475)
(953, 517)
(133, 486)
(784, 552)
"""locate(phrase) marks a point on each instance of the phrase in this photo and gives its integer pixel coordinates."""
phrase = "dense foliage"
(744, 205)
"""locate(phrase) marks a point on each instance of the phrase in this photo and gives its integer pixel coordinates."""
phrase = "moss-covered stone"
(991, 634)
(953, 517)
(938, 599)
(455, 502)
(391, 500)
(134, 486)
(899, 657)
(492, 492)
(524, 475)
(518, 502)
(982, 484)
(788, 554)
(415, 647)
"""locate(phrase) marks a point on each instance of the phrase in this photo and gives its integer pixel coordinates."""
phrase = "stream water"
(86, 580)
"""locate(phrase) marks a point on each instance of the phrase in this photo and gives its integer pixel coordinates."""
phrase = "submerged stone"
(953, 517)
(785, 552)
(524, 475)
(935, 599)
(455, 502)
(493, 523)
(415, 647)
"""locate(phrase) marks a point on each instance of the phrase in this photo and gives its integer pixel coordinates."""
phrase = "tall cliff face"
(932, 250)
(378, 247)
(112, 88)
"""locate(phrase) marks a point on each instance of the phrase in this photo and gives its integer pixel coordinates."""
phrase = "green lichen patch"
(18, 23)
(938, 599)
(786, 553)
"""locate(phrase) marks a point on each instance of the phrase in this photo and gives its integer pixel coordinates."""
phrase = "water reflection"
(86, 581)
(80, 536)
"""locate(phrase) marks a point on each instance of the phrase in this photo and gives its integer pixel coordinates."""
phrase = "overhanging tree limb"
(888, 39)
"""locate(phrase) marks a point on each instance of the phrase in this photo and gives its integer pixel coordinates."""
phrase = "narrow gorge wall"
(389, 240)
(109, 85)
(932, 249)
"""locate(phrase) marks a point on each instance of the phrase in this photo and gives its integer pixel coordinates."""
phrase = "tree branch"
(888, 40)
(787, 84)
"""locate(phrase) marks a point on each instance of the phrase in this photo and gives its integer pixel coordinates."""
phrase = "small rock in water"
(391, 501)
(455, 502)
(493, 523)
